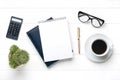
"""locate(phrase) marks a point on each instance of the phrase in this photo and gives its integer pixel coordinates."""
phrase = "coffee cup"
(98, 48)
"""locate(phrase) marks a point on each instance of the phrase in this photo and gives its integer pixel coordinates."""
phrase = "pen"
(51, 19)
(78, 35)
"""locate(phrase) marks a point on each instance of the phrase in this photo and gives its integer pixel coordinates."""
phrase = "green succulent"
(17, 56)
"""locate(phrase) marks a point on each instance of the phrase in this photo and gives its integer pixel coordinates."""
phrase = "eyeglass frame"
(91, 17)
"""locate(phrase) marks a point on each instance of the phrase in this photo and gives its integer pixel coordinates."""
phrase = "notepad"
(55, 39)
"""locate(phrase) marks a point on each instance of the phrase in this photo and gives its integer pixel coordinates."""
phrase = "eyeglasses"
(95, 21)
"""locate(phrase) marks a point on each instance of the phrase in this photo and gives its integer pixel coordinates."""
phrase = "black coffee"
(99, 47)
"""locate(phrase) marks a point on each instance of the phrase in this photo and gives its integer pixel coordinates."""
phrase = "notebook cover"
(34, 36)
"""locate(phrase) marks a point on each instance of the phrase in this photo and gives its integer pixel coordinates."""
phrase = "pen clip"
(78, 33)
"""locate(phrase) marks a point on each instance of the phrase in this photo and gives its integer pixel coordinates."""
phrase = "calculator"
(14, 28)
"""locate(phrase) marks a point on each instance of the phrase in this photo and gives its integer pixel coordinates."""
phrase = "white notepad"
(55, 39)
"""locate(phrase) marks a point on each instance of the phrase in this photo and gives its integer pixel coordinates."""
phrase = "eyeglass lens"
(84, 18)
(96, 23)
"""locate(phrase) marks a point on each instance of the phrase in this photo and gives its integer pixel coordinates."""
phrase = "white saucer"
(91, 55)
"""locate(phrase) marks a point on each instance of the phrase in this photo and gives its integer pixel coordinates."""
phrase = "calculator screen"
(16, 20)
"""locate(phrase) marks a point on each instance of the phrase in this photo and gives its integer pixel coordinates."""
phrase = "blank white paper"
(55, 39)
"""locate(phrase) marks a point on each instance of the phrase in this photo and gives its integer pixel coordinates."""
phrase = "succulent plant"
(17, 56)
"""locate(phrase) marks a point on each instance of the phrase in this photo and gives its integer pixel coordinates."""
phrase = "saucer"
(89, 52)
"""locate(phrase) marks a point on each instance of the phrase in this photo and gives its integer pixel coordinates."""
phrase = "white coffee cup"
(98, 48)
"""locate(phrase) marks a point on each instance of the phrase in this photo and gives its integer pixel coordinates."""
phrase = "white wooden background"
(79, 68)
